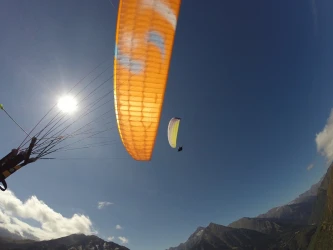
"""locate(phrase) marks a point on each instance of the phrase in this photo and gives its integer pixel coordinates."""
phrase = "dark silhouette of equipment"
(12, 162)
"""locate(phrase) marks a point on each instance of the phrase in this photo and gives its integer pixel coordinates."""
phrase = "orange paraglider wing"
(144, 40)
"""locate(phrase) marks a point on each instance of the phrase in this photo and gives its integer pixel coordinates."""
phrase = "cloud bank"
(324, 140)
(14, 213)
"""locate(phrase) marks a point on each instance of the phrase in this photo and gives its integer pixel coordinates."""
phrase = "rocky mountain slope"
(72, 242)
(220, 237)
(323, 215)
(289, 227)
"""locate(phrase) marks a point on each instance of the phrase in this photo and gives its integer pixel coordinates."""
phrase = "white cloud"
(310, 167)
(123, 240)
(102, 204)
(119, 227)
(13, 212)
(324, 139)
(110, 238)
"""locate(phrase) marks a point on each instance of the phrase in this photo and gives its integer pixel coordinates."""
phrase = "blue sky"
(251, 81)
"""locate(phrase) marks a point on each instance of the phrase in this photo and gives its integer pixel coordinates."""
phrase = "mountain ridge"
(70, 242)
(292, 226)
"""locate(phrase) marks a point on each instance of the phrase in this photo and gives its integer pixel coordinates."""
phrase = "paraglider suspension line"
(16, 123)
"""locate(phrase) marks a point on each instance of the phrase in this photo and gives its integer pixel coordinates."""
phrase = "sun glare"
(67, 104)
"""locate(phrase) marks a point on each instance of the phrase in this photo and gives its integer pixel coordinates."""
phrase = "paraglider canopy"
(173, 131)
(144, 42)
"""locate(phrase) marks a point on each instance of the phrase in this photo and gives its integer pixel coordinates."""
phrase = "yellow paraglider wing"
(144, 40)
(173, 131)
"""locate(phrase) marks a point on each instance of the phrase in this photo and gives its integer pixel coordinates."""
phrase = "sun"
(67, 104)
